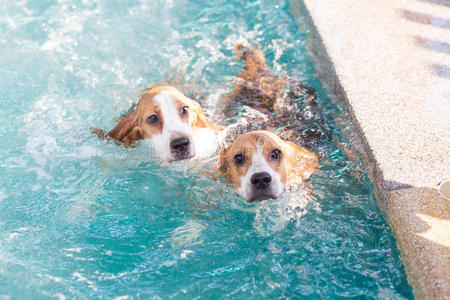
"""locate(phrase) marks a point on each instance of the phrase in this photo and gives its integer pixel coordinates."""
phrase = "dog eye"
(275, 154)
(184, 110)
(239, 159)
(153, 119)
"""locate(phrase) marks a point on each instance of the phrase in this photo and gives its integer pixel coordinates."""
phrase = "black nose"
(261, 180)
(180, 145)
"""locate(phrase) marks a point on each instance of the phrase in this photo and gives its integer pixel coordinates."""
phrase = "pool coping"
(386, 100)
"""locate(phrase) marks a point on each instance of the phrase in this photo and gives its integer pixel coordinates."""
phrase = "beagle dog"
(260, 165)
(173, 124)
(178, 128)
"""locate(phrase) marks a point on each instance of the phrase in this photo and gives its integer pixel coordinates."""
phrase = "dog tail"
(254, 60)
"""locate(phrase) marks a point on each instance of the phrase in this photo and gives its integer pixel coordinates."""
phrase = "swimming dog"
(175, 125)
(260, 165)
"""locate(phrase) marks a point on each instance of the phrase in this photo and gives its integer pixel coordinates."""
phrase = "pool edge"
(418, 215)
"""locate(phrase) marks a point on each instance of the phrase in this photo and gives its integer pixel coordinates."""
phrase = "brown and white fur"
(260, 165)
(175, 125)
(178, 128)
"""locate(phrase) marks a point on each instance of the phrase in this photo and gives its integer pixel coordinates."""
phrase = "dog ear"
(302, 163)
(127, 131)
(198, 118)
(224, 162)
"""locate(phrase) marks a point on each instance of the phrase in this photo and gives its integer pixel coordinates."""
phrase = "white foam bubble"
(77, 250)
(185, 253)
(65, 28)
(81, 278)
(60, 296)
(87, 151)
(3, 195)
(273, 215)
(186, 233)
(13, 236)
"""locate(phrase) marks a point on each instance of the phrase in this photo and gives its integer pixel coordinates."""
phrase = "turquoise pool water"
(83, 218)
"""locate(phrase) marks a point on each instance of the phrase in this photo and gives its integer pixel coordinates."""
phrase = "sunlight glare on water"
(80, 217)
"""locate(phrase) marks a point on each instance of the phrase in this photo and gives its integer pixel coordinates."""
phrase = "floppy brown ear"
(198, 118)
(127, 131)
(302, 163)
(223, 162)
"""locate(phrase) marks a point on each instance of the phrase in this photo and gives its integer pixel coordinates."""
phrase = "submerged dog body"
(173, 124)
(260, 165)
(270, 102)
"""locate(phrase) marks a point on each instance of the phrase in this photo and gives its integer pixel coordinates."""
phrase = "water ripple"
(82, 218)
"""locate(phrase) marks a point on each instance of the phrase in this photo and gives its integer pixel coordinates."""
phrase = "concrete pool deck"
(388, 62)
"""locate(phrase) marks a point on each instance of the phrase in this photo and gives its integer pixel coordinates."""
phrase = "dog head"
(169, 121)
(259, 165)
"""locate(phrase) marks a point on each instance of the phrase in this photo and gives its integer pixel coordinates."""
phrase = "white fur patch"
(205, 141)
(172, 126)
(260, 164)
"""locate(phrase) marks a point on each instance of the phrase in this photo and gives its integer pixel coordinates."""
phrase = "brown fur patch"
(295, 165)
(134, 126)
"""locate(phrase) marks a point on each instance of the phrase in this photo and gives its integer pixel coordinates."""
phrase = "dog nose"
(261, 180)
(180, 145)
